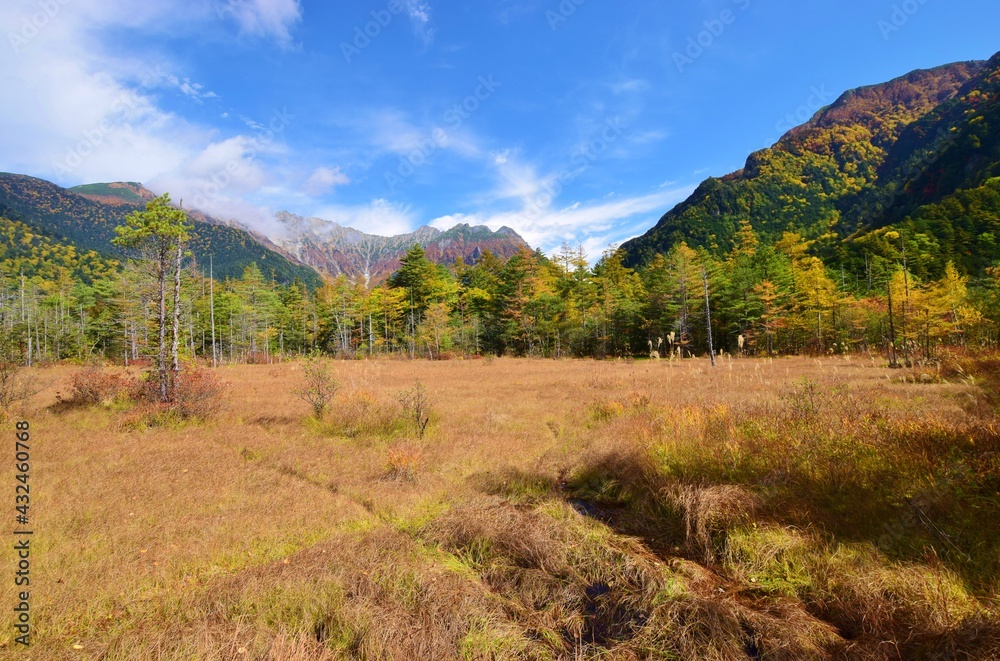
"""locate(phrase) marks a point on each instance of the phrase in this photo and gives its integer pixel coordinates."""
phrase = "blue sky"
(573, 120)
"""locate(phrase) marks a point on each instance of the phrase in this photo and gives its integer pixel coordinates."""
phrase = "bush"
(96, 385)
(361, 413)
(16, 385)
(197, 393)
(320, 386)
(402, 463)
(416, 406)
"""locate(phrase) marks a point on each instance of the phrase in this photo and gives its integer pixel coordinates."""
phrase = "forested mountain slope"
(917, 152)
(338, 250)
(88, 224)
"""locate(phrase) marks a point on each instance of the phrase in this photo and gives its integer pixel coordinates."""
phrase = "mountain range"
(911, 164)
(334, 249)
(83, 218)
(919, 154)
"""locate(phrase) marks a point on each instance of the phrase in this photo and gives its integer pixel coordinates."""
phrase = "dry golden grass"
(786, 509)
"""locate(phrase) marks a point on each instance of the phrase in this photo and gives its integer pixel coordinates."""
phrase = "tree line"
(758, 299)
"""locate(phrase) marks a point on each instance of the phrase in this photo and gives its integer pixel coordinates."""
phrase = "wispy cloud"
(379, 216)
(420, 17)
(194, 91)
(324, 179)
(517, 179)
(390, 131)
(630, 85)
(594, 225)
(263, 18)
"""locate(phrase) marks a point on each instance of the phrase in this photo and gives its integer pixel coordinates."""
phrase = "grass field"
(787, 509)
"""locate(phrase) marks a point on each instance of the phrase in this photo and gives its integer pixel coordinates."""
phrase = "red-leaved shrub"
(98, 385)
(197, 392)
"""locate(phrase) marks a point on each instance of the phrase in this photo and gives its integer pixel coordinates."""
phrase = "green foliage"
(24, 251)
(320, 387)
(915, 154)
(766, 298)
(89, 225)
(159, 224)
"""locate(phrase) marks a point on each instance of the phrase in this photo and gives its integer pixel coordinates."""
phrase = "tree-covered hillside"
(890, 157)
(89, 225)
(26, 252)
(119, 192)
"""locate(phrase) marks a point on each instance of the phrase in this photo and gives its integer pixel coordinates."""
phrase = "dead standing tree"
(708, 317)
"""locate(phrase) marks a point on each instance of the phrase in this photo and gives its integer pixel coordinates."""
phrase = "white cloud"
(390, 131)
(263, 18)
(379, 216)
(420, 16)
(519, 180)
(194, 91)
(633, 85)
(86, 115)
(647, 137)
(325, 179)
(222, 179)
(595, 225)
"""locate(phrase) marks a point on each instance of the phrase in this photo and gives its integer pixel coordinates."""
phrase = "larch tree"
(160, 232)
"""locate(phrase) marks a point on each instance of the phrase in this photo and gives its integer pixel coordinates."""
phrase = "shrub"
(361, 412)
(97, 385)
(606, 410)
(197, 393)
(320, 386)
(145, 415)
(417, 406)
(803, 400)
(16, 385)
(401, 464)
(709, 511)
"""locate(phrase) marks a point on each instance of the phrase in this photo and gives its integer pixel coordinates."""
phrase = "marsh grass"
(572, 509)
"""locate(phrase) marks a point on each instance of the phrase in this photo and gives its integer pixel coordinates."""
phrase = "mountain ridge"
(306, 249)
(88, 222)
(336, 249)
(867, 161)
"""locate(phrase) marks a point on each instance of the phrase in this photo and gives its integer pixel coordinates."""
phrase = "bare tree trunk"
(708, 317)
(211, 306)
(892, 332)
(161, 359)
(906, 306)
(175, 337)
